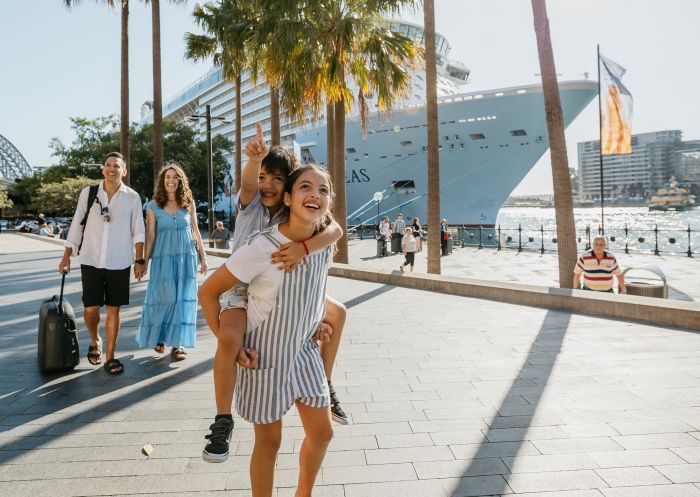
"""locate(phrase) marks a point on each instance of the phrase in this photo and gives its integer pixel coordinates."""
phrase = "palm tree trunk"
(275, 137)
(157, 91)
(433, 151)
(124, 118)
(239, 139)
(563, 201)
(341, 211)
(330, 159)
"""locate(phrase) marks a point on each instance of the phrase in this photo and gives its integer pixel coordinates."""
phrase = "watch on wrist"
(140, 261)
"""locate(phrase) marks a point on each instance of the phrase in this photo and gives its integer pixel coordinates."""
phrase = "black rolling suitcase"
(58, 341)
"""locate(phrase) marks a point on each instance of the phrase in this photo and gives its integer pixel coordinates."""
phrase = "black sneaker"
(337, 412)
(217, 448)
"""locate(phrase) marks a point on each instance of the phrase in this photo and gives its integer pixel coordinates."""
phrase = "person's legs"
(229, 339)
(319, 433)
(268, 438)
(112, 323)
(335, 317)
(92, 323)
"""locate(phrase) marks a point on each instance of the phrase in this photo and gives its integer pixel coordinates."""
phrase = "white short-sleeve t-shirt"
(251, 264)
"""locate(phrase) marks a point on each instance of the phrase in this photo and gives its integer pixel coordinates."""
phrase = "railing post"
(690, 252)
(542, 238)
(627, 244)
(588, 234)
(656, 239)
(480, 245)
(499, 237)
(520, 237)
(362, 228)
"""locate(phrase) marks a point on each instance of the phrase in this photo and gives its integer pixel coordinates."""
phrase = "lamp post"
(210, 164)
(378, 196)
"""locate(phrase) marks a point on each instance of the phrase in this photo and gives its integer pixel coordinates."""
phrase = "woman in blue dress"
(173, 242)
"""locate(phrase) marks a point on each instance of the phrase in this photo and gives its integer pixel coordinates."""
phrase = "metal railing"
(650, 241)
(656, 241)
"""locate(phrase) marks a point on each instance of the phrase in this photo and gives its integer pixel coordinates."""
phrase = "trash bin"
(396, 243)
(647, 287)
(448, 247)
(381, 247)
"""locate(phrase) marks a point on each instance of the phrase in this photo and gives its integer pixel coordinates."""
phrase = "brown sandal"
(178, 353)
(160, 347)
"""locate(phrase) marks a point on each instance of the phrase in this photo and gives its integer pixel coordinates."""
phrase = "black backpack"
(92, 196)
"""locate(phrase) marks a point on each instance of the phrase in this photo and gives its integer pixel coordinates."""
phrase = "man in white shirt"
(113, 231)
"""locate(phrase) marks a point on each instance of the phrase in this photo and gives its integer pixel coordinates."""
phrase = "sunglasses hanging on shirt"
(103, 210)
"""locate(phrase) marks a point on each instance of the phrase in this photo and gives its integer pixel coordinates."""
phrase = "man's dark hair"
(117, 155)
(280, 160)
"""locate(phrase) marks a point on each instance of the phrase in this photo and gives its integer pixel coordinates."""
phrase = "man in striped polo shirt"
(598, 267)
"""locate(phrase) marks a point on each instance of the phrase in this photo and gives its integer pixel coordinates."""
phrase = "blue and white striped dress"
(289, 366)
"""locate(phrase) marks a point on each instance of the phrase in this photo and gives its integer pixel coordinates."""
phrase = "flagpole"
(600, 145)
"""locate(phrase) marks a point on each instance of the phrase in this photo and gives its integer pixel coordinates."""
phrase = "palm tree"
(344, 41)
(227, 27)
(157, 88)
(563, 200)
(433, 151)
(124, 118)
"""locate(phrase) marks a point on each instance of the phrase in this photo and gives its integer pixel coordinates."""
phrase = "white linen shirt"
(108, 245)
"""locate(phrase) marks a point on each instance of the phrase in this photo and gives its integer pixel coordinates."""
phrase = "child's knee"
(269, 443)
(335, 311)
(232, 329)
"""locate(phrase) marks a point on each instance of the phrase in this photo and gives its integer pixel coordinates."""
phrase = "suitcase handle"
(60, 299)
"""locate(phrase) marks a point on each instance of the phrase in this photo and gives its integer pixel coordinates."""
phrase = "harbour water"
(628, 228)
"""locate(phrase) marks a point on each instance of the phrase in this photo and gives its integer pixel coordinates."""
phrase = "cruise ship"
(489, 140)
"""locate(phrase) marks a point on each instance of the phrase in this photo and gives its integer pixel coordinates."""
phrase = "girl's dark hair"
(294, 177)
(183, 195)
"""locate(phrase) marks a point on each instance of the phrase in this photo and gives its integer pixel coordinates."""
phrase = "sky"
(57, 63)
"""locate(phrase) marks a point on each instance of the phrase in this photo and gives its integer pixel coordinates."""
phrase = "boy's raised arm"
(256, 150)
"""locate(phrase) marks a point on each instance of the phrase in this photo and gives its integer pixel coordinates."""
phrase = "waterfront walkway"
(449, 396)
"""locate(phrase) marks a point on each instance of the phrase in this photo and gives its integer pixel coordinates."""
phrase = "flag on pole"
(615, 108)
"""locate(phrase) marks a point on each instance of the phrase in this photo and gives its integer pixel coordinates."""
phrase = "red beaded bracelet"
(306, 249)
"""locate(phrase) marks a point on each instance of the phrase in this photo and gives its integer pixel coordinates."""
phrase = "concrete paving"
(449, 396)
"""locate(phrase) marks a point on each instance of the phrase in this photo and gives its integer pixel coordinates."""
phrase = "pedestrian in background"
(173, 243)
(444, 236)
(596, 267)
(417, 232)
(220, 236)
(408, 245)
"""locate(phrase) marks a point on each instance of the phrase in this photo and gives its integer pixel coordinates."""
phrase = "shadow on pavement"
(538, 366)
(368, 296)
(56, 395)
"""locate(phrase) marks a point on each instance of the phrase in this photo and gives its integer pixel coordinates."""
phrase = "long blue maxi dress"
(169, 313)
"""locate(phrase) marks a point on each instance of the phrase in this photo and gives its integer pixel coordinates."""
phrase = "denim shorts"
(235, 298)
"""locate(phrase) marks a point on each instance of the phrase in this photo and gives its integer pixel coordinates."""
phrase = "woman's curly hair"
(183, 195)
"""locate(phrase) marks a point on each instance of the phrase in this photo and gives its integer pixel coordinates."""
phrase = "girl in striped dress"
(283, 363)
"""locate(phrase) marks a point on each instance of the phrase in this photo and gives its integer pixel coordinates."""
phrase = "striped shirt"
(597, 274)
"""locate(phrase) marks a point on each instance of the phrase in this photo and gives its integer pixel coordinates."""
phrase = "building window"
(518, 132)
(477, 136)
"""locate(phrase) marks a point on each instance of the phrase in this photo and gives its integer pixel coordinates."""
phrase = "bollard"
(520, 238)
(690, 252)
(656, 239)
(627, 246)
(499, 237)
(588, 234)
(542, 238)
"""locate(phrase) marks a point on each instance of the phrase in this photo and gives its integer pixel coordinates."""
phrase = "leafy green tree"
(95, 138)
(60, 198)
(23, 191)
(5, 201)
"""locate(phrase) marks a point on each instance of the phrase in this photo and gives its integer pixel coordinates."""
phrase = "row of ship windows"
(396, 129)
(447, 138)
(453, 146)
